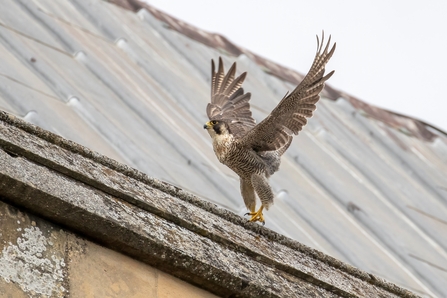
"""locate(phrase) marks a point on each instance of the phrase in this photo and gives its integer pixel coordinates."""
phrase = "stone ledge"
(165, 226)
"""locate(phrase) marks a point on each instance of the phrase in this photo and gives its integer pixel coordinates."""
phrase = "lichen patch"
(27, 264)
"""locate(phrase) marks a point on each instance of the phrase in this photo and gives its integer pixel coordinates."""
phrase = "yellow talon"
(257, 216)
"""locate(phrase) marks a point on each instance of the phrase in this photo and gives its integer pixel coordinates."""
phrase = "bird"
(253, 151)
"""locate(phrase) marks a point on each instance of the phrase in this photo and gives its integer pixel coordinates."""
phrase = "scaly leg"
(257, 216)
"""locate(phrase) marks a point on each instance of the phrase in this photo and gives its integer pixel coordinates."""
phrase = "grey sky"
(389, 53)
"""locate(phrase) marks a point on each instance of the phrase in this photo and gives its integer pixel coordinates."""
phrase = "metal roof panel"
(367, 190)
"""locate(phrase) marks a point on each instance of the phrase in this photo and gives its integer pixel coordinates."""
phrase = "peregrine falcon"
(253, 151)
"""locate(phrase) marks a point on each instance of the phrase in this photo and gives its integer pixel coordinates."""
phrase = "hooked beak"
(207, 125)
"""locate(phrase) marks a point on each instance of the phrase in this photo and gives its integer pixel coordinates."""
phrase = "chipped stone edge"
(207, 206)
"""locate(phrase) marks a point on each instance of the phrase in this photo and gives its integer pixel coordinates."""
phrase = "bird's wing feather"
(228, 100)
(290, 115)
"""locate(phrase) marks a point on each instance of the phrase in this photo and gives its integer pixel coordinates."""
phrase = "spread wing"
(290, 115)
(228, 101)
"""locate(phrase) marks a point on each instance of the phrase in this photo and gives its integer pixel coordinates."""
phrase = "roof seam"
(34, 39)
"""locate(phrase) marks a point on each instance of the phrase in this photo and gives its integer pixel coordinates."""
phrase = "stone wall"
(41, 259)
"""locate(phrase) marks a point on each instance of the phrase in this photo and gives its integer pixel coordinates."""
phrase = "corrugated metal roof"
(361, 184)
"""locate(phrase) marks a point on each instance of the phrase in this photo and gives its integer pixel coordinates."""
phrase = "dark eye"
(214, 122)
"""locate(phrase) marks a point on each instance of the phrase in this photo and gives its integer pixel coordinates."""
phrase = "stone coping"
(165, 226)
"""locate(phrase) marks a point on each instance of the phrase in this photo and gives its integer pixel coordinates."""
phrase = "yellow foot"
(257, 216)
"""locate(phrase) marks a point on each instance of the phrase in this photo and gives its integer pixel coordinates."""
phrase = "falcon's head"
(217, 127)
